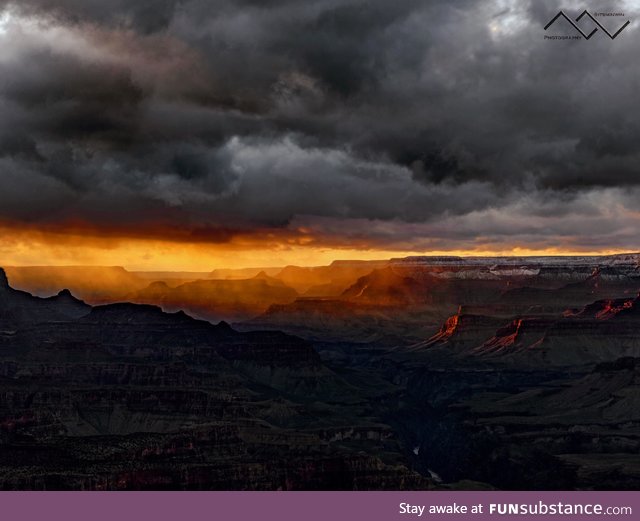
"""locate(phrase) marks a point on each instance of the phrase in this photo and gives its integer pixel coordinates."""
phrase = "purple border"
(293, 506)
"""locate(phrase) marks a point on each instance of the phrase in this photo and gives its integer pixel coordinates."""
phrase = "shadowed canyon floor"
(425, 372)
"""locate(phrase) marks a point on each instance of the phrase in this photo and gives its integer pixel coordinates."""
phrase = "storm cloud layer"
(412, 125)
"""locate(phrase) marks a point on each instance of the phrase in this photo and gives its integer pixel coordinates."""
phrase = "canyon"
(416, 373)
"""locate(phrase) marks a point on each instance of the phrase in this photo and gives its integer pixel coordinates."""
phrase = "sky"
(196, 134)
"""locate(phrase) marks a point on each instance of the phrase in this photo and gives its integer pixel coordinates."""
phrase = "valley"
(417, 373)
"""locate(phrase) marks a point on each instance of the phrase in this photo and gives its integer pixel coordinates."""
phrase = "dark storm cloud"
(449, 118)
(145, 16)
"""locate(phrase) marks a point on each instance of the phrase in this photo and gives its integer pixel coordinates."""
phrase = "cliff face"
(128, 397)
(18, 307)
(95, 285)
(543, 399)
(626, 260)
(412, 296)
(602, 331)
(530, 429)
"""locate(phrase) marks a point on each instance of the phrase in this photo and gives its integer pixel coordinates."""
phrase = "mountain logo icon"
(587, 14)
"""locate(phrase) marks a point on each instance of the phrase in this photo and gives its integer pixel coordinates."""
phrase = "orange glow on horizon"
(30, 248)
